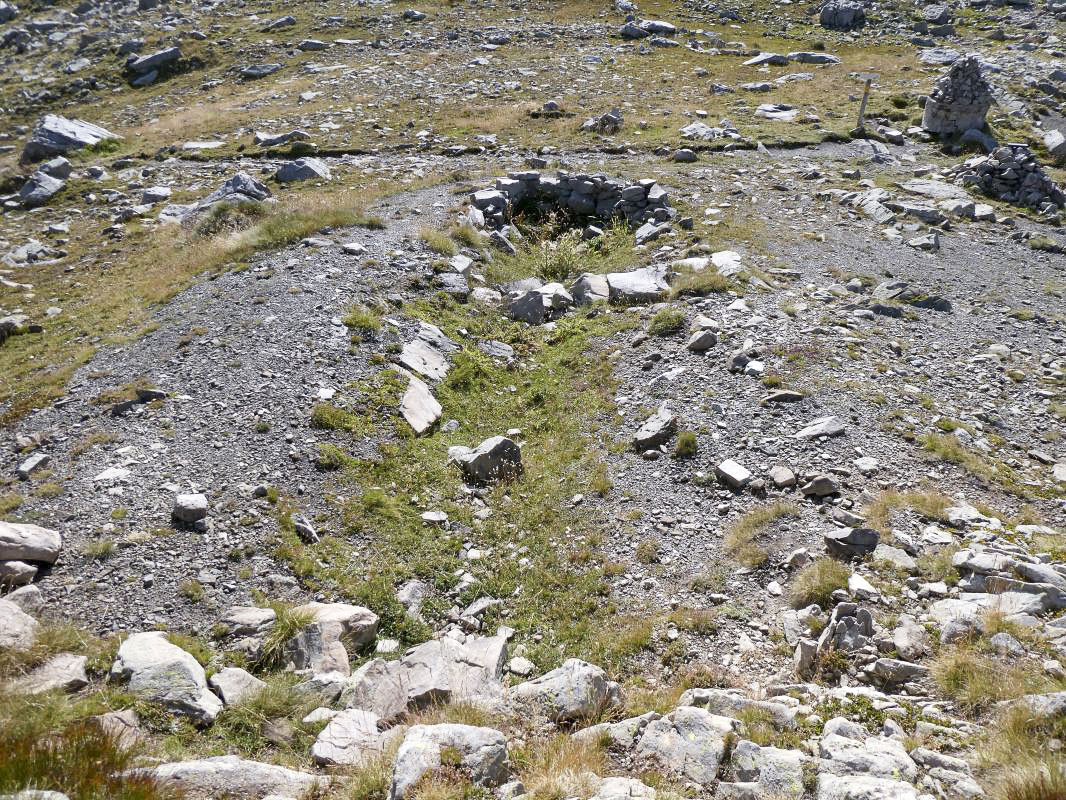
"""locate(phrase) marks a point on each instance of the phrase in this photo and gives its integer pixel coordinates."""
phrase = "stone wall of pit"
(580, 195)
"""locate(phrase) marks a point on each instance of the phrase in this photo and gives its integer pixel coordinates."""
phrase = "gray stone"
(909, 638)
(851, 542)
(164, 673)
(38, 189)
(28, 542)
(235, 685)
(863, 787)
(645, 285)
(688, 742)
(303, 169)
(576, 690)
(482, 753)
(823, 426)
(419, 407)
(733, 474)
(16, 573)
(842, 15)
(230, 776)
(778, 773)
(189, 508)
(352, 738)
(64, 672)
(149, 63)
(894, 670)
(656, 430)
(55, 135)
(496, 458)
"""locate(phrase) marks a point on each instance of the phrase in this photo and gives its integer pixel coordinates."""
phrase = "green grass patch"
(559, 593)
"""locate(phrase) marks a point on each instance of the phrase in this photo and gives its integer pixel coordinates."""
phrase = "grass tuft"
(739, 540)
(816, 582)
(667, 322)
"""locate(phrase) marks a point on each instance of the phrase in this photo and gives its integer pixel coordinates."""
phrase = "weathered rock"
(322, 645)
(351, 738)
(54, 135)
(842, 15)
(851, 542)
(539, 305)
(28, 542)
(18, 630)
(230, 776)
(688, 742)
(38, 189)
(656, 430)
(824, 426)
(163, 672)
(776, 772)
(576, 690)
(497, 458)
(645, 285)
(482, 755)
(863, 787)
(419, 407)
(65, 672)
(189, 508)
(438, 671)
(235, 685)
(590, 288)
(303, 169)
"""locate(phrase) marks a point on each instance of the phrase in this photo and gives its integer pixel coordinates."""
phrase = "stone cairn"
(581, 195)
(1012, 174)
(960, 100)
(842, 15)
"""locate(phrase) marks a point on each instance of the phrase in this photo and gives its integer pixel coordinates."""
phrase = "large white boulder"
(163, 672)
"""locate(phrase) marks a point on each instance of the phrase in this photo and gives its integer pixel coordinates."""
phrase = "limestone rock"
(576, 690)
(482, 755)
(230, 776)
(494, 459)
(165, 673)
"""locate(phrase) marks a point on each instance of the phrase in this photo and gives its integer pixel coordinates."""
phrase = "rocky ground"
(553, 399)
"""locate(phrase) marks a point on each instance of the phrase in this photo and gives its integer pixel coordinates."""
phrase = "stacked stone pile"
(960, 100)
(1012, 174)
(579, 194)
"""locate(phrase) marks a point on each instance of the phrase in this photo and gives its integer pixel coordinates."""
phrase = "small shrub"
(817, 581)
(9, 502)
(647, 551)
(467, 235)
(192, 590)
(81, 761)
(667, 322)
(329, 417)
(976, 682)
(686, 445)
(331, 458)
(99, 548)
(700, 284)
(362, 319)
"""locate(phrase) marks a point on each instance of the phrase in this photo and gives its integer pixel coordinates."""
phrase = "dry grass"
(976, 682)
(817, 581)
(560, 767)
(739, 540)
(929, 504)
(438, 241)
(1017, 761)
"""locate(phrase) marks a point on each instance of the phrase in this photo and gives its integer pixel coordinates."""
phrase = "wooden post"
(860, 124)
